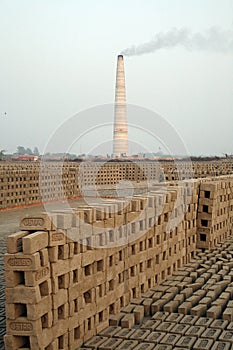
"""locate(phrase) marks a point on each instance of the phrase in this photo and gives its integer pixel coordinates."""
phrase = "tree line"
(21, 151)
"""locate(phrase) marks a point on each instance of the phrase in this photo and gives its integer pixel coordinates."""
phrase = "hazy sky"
(58, 57)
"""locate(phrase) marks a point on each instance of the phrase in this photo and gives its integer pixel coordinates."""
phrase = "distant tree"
(36, 151)
(29, 151)
(21, 150)
(2, 154)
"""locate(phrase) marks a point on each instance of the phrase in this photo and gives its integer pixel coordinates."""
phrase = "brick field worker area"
(73, 291)
(126, 269)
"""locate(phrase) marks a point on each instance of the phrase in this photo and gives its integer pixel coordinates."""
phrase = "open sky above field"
(59, 58)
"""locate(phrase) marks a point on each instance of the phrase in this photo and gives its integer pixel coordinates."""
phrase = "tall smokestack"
(120, 137)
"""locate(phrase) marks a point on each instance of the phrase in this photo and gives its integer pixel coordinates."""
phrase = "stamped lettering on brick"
(42, 273)
(21, 326)
(205, 229)
(33, 222)
(19, 262)
(57, 236)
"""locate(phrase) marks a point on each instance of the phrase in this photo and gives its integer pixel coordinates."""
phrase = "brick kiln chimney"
(120, 133)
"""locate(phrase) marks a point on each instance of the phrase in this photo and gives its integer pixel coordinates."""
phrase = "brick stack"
(68, 272)
(190, 218)
(29, 299)
(214, 213)
(21, 183)
(62, 285)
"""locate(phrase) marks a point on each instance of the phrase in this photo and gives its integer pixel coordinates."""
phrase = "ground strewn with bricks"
(192, 309)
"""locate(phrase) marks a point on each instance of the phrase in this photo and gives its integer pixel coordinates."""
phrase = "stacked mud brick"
(28, 183)
(21, 183)
(67, 272)
(212, 168)
(190, 216)
(214, 212)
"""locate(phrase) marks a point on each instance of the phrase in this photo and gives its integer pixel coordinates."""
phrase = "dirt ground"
(9, 219)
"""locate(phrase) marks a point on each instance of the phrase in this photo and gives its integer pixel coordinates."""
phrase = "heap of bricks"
(62, 283)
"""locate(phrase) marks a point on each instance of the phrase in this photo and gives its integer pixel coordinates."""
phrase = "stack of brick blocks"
(68, 272)
(215, 213)
(25, 183)
(29, 183)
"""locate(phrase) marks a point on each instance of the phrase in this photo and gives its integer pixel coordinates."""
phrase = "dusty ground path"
(9, 219)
